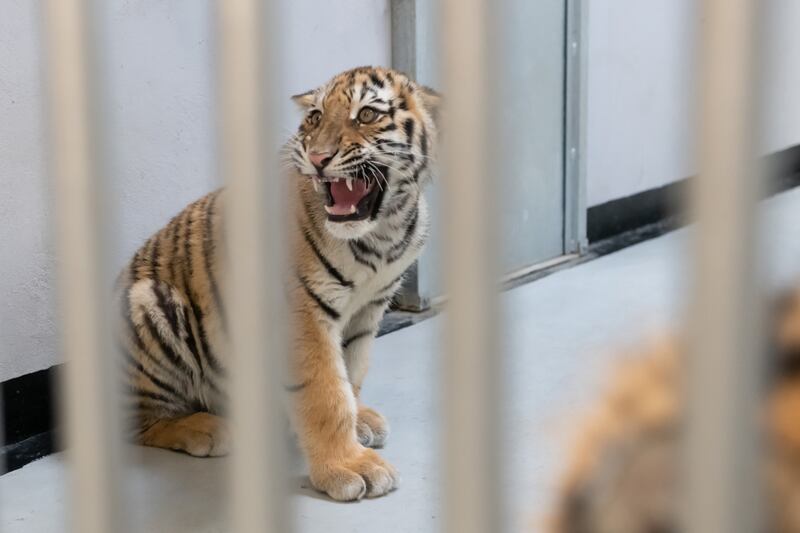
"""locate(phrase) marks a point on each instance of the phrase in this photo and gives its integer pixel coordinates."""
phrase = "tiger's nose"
(320, 159)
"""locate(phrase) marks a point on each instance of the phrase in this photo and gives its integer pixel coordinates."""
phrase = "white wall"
(640, 77)
(640, 95)
(781, 89)
(27, 320)
(641, 92)
(160, 140)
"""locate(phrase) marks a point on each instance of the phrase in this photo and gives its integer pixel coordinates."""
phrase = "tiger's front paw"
(372, 428)
(364, 474)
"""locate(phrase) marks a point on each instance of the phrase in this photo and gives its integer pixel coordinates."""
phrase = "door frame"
(412, 53)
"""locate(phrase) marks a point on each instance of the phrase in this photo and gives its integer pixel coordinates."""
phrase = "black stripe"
(176, 242)
(394, 145)
(188, 273)
(383, 238)
(399, 206)
(330, 311)
(328, 266)
(307, 211)
(390, 127)
(366, 249)
(141, 393)
(352, 338)
(191, 343)
(155, 380)
(137, 261)
(360, 259)
(397, 251)
(174, 312)
(165, 346)
(423, 143)
(408, 127)
(126, 314)
(402, 104)
(348, 151)
(366, 263)
(392, 283)
(157, 361)
(169, 308)
(211, 359)
(375, 79)
(208, 249)
(155, 255)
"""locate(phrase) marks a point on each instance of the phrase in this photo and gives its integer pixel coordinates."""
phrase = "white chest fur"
(375, 276)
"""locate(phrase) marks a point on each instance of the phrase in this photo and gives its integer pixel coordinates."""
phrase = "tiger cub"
(359, 160)
(622, 474)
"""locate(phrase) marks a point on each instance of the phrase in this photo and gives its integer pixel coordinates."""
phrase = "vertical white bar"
(93, 439)
(472, 362)
(723, 365)
(254, 212)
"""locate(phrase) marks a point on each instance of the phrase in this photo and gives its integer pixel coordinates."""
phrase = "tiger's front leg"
(325, 418)
(371, 427)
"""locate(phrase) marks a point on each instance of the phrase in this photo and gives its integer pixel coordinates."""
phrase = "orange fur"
(621, 476)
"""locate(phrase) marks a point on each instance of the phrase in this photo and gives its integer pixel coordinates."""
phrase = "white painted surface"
(160, 140)
(27, 314)
(559, 357)
(641, 92)
(781, 88)
(161, 111)
(640, 96)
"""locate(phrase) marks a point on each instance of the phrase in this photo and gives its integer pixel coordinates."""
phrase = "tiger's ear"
(306, 99)
(431, 100)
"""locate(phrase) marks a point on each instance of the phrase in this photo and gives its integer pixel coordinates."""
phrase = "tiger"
(621, 476)
(362, 154)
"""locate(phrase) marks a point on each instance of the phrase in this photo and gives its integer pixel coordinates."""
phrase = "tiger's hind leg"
(165, 373)
(198, 434)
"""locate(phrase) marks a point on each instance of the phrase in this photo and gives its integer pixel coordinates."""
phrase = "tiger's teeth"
(336, 180)
(350, 183)
(352, 208)
(315, 181)
(328, 210)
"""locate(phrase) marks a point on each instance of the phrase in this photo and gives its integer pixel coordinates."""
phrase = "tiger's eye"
(315, 117)
(367, 115)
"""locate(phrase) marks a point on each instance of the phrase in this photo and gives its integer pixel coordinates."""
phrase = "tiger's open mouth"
(350, 198)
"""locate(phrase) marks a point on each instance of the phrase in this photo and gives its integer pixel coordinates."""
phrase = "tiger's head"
(366, 144)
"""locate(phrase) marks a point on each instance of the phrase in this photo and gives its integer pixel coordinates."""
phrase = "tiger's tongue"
(344, 200)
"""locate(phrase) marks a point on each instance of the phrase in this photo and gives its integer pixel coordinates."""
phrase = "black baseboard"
(668, 203)
(15, 456)
(643, 209)
(29, 419)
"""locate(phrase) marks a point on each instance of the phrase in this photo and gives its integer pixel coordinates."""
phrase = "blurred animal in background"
(623, 473)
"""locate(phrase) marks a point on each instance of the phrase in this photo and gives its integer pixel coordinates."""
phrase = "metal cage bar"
(471, 496)
(253, 224)
(575, 87)
(93, 436)
(724, 365)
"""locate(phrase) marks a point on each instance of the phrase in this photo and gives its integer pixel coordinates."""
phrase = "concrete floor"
(563, 333)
